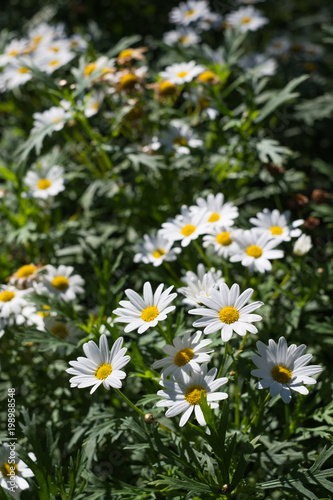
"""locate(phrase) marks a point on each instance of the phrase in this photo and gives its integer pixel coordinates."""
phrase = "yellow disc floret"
(224, 239)
(189, 13)
(214, 217)
(6, 470)
(6, 296)
(229, 315)
(149, 314)
(44, 184)
(182, 74)
(207, 77)
(188, 230)
(89, 69)
(276, 230)
(167, 88)
(281, 374)
(103, 371)
(180, 141)
(126, 53)
(193, 394)
(254, 251)
(158, 253)
(24, 70)
(128, 82)
(183, 356)
(60, 283)
(246, 20)
(26, 271)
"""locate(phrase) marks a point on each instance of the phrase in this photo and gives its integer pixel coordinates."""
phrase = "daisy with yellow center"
(57, 116)
(155, 250)
(246, 19)
(218, 212)
(25, 276)
(143, 313)
(101, 366)
(44, 181)
(255, 249)
(183, 394)
(199, 284)
(188, 12)
(186, 227)
(93, 103)
(220, 237)
(283, 369)
(13, 471)
(12, 301)
(185, 36)
(128, 55)
(184, 356)
(179, 73)
(62, 283)
(276, 224)
(226, 311)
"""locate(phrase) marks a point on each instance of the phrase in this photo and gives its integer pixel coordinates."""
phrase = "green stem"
(258, 413)
(237, 397)
(201, 253)
(286, 432)
(223, 360)
(164, 334)
(172, 273)
(283, 282)
(132, 405)
(241, 347)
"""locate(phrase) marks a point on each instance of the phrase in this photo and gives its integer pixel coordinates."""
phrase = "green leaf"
(270, 151)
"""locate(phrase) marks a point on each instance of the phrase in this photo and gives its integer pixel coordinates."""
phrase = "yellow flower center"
(214, 217)
(95, 106)
(183, 356)
(13, 53)
(206, 77)
(89, 69)
(126, 53)
(24, 70)
(189, 13)
(281, 374)
(103, 371)
(254, 251)
(54, 48)
(55, 62)
(246, 20)
(183, 39)
(229, 315)
(276, 230)
(224, 239)
(181, 141)
(149, 314)
(167, 88)
(6, 296)
(25, 271)
(182, 74)
(193, 394)
(60, 283)
(37, 39)
(60, 330)
(127, 82)
(44, 314)
(44, 184)
(6, 469)
(56, 120)
(158, 253)
(188, 230)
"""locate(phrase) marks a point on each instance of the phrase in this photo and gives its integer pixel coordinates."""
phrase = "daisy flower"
(100, 366)
(13, 471)
(184, 355)
(12, 51)
(246, 18)
(283, 368)
(11, 301)
(184, 394)
(179, 137)
(221, 238)
(302, 245)
(182, 72)
(200, 284)
(55, 117)
(258, 63)
(279, 46)
(62, 283)
(217, 210)
(24, 277)
(184, 36)
(276, 224)
(16, 74)
(99, 68)
(156, 249)
(128, 55)
(255, 249)
(62, 329)
(140, 313)
(226, 311)
(45, 182)
(188, 12)
(93, 103)
(185, 227)
(50, 61)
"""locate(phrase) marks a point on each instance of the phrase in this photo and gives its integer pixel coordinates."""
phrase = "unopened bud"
(148, 418)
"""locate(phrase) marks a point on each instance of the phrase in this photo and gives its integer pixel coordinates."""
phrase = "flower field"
(166, 210)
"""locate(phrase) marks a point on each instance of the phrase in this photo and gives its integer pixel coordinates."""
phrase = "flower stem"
(164, 334)
(172, 273)
(223, 360)
(132, 405)
(241, 347)
(257, 415)
(202, 254)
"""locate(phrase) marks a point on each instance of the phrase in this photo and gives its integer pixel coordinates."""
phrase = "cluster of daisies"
(213, 218)
(185, 376)
(17, 305)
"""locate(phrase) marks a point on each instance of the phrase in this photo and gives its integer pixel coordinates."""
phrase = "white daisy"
(212, 20)
(255, 249)
(140, 313)
(55, 117)
(184, 355)
(62, 283)
(302, 245)
(276, 224)
(13, 470)
(78, 43)
(186, 227)
(246, 19)
(179, 137)
(200, 284)
(11, 301)
(49, 61)
(221, 238)
(12, 51)
(283, 368)
(100, 366)
(182, 72)
(102, 66)
(226, 311)
(184, 394)
(24, 277)
(44, 182)
(216, 210)
(184, 36)
(16, 74)
(201, 101)
(61, 328)
(279, 46)
(156, 249)
(93, 103)
(188, 12)
(259, 64)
